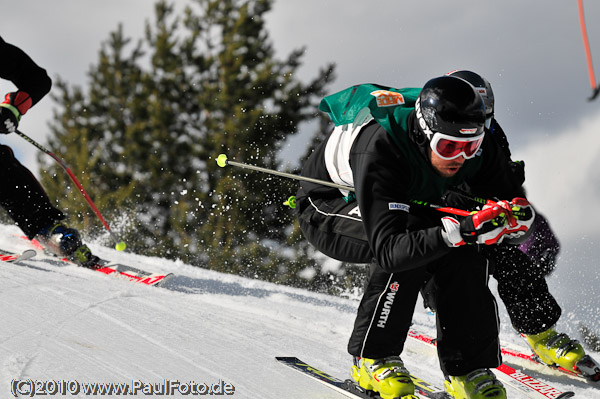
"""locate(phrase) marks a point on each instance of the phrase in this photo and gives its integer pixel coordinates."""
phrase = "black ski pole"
(222, 161)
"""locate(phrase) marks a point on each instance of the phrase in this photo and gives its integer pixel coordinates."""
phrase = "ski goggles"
(451, 147)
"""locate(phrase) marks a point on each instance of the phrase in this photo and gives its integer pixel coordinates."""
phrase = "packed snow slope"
(66, 324)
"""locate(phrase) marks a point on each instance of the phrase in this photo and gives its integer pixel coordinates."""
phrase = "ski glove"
(486, 226)
(12, 108)
(523, 217)
(491, 225)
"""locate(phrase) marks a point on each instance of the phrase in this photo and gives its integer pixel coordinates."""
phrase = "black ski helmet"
(451, 106)
(483, 87)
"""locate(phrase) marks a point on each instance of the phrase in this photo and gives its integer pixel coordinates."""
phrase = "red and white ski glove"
(486, 226)
(491, 225)
(523, 216)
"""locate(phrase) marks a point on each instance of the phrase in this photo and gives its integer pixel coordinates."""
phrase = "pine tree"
(148, 129)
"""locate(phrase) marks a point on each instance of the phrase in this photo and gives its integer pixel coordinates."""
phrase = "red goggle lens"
(452, 148)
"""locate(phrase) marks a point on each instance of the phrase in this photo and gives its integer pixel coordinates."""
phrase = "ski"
(12, 257)
(528, 385)
(588, 369)
(348, 388)
(130, 273)
(108, 267)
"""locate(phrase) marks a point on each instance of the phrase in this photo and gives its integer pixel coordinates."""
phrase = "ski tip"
(287, 359)
(595, 93)
(27, 254)
(164, 280)
(566, 395)
(8, 256)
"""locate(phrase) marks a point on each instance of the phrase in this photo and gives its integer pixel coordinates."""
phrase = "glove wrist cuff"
(13, 109)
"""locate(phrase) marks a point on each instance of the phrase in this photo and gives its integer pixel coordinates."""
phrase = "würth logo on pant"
(387, 305)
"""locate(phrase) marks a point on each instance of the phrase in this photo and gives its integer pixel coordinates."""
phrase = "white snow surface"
(66, 323)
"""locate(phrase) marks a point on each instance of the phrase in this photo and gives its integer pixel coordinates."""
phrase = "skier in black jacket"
(396, 149)
(22, 196)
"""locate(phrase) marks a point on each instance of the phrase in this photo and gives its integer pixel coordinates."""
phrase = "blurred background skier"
(22, 196)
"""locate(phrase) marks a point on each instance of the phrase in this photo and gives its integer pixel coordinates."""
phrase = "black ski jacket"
(20, 69)
(390, 172)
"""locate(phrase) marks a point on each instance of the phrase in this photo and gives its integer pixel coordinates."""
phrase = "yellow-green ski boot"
(556, 349)
(388, 377)
(478, 384)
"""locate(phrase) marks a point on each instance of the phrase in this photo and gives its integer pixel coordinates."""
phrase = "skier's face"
(446, 167)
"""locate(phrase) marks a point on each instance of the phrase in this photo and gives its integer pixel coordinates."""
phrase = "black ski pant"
(466, 316)
(23, 197)
(523, 289)
(335, 228)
